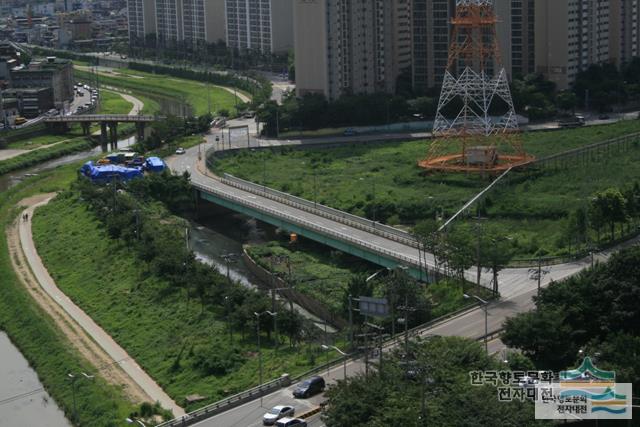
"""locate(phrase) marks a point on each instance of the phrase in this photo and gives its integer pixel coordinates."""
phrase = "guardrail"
(314, 227)
(227, 403)
(101, 118)
(351, 220)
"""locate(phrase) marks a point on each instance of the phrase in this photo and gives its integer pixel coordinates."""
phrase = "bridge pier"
(103, 134)
(140, 131)
(113, 133)
(86, 128)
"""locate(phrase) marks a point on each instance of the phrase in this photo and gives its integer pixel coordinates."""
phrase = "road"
(108, 344)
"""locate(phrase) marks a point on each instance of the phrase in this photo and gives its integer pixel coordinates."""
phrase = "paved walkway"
(117, 353)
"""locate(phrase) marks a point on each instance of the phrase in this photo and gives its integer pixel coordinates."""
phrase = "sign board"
(375, 307)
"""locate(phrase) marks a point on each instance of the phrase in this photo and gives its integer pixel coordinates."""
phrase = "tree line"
(129, 214)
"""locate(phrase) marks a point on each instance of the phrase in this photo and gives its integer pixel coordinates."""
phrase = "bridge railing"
(228, 403)
(315, 227)
(355, 221)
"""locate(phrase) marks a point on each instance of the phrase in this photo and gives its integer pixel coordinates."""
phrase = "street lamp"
(345, 355)
(484, 307)
(73, 378)
(259, 349)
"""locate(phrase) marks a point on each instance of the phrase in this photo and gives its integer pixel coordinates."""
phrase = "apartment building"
(264, 25)
(351, 46)
(570, 36)
(190, 21)
(623, 30)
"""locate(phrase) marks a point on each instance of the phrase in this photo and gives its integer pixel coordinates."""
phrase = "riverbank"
(35, 334)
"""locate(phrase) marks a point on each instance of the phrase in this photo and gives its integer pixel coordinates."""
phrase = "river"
(23, 401)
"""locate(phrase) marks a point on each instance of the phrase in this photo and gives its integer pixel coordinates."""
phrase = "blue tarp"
(106, 173)
(155, 164)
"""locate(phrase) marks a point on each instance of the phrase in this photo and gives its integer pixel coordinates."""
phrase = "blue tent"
(107, 173)
(155, 164)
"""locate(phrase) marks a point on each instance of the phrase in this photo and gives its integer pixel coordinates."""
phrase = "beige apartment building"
(264, 25)
(351, 46)
(570, 36)
(623, 30)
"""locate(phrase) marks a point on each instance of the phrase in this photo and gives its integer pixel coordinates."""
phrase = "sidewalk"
(104, 340)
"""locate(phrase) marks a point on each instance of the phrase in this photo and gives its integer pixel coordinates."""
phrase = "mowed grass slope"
(192, 92)
(48, 351)
(383, 181)
(164, 331)
(113, 103)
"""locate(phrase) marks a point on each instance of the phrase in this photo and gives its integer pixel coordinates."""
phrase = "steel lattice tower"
(475, 129)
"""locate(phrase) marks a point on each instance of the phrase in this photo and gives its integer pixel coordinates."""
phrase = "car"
(291, 422)
(80, 93)
(217, 138)
(309, 387)
(603, 117)
(277, 412)
(349, 132)
(180, 151)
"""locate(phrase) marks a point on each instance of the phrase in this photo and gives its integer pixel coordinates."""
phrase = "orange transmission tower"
(475, 129)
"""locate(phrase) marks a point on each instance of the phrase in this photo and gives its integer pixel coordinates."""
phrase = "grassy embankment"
(113, 103)
(166, 334)
(177, 90)
(34, 333)
(382, 180)
(323, 274)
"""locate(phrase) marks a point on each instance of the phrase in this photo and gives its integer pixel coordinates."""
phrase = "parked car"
(309, 387)
(180, 151)
(276, 413)
(349, 132)
(291, 422)
(603, 117)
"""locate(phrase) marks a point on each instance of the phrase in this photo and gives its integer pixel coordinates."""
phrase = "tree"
(429, 238)
(567, 100)
(610, 206)
(495, 254)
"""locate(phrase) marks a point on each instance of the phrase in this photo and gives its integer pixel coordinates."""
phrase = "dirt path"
(113, 363)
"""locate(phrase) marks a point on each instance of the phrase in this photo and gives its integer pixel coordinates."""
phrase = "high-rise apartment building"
(351, 46)
(570, 36)
(623, 30)
(141, 18)
(189, 21)
(265, 25)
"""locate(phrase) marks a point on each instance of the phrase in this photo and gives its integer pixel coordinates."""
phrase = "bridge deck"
(122, 118)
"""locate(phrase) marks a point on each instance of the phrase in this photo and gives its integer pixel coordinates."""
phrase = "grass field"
(33, 332)
(323, 274)
(191, 92)
(382, 180)
(38, 156)
(165, 334)
(113, 103)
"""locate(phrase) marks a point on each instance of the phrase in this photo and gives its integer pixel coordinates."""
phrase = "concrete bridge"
(108, 124)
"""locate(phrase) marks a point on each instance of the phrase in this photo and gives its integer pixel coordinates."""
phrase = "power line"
(21, 396)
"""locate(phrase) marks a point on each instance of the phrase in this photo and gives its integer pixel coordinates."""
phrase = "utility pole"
(74, 378)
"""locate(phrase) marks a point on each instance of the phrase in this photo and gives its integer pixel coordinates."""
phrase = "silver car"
(276, 413)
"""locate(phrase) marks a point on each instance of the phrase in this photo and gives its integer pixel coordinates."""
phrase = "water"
(23, 402)
(13, 178)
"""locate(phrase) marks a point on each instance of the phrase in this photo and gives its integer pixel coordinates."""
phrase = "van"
(309, 387)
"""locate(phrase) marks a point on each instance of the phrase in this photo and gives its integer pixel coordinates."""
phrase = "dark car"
(291, 422)
(309, 387)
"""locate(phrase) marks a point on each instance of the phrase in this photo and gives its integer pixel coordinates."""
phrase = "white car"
(276, 413)
(180, 151)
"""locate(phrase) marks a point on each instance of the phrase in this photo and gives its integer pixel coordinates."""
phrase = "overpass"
(372, 241)
(108, 124)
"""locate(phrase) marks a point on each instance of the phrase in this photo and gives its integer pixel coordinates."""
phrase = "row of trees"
(597, 311)
(606, 209)
(429, 386)
(172, 128)
(128, 215)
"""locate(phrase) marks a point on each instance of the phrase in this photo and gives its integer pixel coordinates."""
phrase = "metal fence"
(351, 220)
